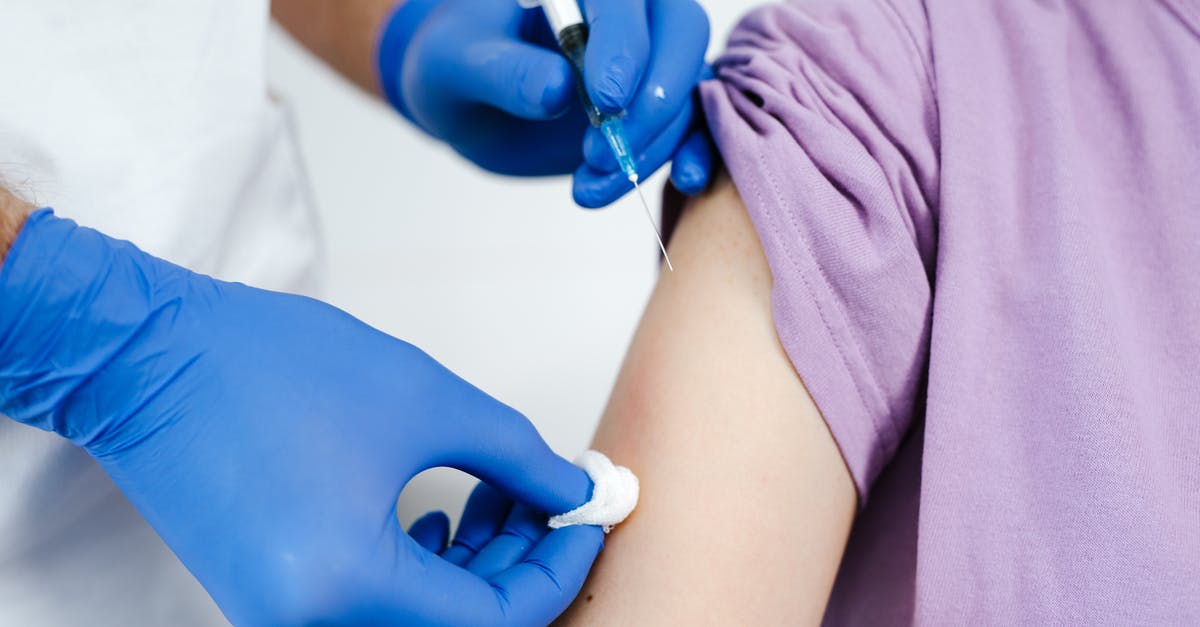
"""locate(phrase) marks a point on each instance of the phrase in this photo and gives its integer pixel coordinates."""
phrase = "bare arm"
(341, 32)
(746, 503)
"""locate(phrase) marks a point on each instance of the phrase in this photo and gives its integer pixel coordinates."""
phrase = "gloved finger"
(485, 512)
(691, 167)
(592, 189)
(504, 145)
(597, 188)
(534, 28)
(427, 590)
(514, 76)
(679, 31)
(481, 436)
(431, 530)
(501, 447)
(618, 51)
(520, 533)
(545, 582)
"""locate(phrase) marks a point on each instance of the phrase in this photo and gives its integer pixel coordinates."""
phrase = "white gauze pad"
(614, 494)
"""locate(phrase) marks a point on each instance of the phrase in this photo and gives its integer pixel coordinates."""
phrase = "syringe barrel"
(572, 40)
(560, 13)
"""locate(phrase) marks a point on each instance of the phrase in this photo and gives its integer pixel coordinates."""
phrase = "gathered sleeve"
(826, 117)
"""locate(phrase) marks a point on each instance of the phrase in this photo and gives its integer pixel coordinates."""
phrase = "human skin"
(341, 32)
(745, 502)
(13, 212)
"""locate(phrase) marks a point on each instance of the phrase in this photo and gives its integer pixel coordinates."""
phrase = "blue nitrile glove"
(486, 77)
(267, 436)
(492, 535)
(598, 181)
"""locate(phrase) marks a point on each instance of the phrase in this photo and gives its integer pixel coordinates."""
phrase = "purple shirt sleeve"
(827, 122)
(983, 223)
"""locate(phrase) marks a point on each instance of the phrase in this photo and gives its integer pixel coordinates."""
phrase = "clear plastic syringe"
(567, 23)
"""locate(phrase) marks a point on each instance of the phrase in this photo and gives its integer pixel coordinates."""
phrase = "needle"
(566, 21)
(654, 227)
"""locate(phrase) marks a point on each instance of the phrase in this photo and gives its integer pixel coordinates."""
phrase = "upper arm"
(745, 503)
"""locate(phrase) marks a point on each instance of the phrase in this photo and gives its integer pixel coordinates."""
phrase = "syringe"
(567, 23)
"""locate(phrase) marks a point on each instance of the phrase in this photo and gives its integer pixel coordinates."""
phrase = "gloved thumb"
(618, 51)
(507, 452)
(518, 78)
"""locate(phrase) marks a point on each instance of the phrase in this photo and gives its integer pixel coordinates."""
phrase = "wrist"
(393, 40)
(73, 302)
(13, 212)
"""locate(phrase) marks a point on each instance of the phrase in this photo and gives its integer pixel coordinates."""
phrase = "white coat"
(150, 120)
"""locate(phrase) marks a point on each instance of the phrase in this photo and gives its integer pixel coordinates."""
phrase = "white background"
(504, 280)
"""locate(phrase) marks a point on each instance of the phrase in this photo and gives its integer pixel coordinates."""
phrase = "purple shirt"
(983, 222)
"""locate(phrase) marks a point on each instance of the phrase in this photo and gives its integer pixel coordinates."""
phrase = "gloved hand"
(492, 534)
(266, 437)
(486, 77)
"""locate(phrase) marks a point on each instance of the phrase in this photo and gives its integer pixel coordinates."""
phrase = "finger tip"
(432, 520)
(589, 537)
(582, 541)
(612, 92)
(591, 195)
(564, 487)
(431, 530)
(545, 89)
(585, 198)
(689, 178)
(608, 103)
(594, 188)
(557, 93)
